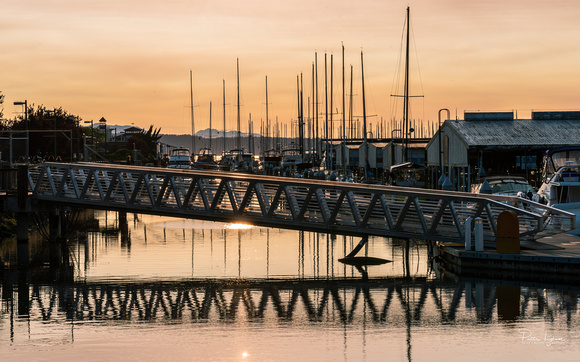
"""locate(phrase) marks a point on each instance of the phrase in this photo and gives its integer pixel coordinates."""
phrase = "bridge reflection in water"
(167, 287)
(383, 301)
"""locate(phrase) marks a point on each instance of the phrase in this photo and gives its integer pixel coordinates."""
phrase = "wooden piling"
(508, 233)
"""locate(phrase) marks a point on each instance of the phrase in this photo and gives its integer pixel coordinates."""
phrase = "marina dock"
(552, 259)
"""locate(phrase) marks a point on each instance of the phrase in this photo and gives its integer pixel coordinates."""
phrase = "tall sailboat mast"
(343, 121)
(224, 102)
(267, 125)
(239, 138)
(331, 112)
(327, 164)
(192, 124)
(210, 124)
(317, 144)
(350, 107)
(312, 130)
(366, 147)
(301, 117)
(406, 94)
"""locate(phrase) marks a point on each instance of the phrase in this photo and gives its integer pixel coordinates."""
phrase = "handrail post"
(468, 233)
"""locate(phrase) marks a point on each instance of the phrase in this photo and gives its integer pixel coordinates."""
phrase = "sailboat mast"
(326, 113)
(350, 107)
(343, 120)
(267, 119)
(301, 125)
(317, 145)
(366, 149)
(250, 133)
(406, 94)
(331, 112)
(210, 124)
(239, 139)
(312, 131)
(224, 102)
(298, 95)
(192, 124)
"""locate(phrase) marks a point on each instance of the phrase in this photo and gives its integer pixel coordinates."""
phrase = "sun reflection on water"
(238, 226)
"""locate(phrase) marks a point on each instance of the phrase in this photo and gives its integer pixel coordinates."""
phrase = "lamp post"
(440, 144)
(25, 104)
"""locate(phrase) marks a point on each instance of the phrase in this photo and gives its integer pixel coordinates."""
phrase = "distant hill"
(202, 139)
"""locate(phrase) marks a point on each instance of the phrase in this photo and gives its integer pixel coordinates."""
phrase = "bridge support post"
(22, 245)
(55, 250)
(124, 228)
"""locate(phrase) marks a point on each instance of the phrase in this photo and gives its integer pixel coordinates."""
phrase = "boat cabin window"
(511, 187)
(565, 158)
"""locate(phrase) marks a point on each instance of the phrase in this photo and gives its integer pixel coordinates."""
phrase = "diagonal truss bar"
(323, 206)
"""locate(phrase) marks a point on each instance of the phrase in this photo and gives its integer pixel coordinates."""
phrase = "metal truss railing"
(322, 206)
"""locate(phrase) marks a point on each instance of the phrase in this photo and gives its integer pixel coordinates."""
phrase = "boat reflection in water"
(186, 289)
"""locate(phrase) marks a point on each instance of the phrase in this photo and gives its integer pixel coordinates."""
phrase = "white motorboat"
(506, 186)
(561, 187)
(180, 159)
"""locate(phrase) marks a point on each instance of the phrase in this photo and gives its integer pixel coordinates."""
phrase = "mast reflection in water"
(168, 289)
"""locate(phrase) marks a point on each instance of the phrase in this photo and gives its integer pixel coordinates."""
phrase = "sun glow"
(238, 226)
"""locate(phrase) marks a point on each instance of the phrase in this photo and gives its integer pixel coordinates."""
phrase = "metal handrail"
(315, 205)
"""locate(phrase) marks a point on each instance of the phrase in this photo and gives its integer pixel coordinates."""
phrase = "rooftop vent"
(553, 116)
(489, 116)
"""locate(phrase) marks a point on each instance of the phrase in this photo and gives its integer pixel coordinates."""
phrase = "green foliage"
(7, 225)
(49, 120)
(1, 103)
(146, 143)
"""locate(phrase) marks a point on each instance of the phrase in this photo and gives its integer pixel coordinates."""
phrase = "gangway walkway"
(312, 205)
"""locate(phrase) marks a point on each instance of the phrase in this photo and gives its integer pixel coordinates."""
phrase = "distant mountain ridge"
(204, 133)
(202, 139)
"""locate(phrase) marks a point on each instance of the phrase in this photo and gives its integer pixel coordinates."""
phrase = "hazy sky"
(129, 61)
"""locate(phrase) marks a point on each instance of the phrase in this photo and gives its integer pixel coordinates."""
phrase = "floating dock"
(552, 259)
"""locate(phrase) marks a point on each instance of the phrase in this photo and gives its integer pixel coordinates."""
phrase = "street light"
(25, 104)
(440, 144)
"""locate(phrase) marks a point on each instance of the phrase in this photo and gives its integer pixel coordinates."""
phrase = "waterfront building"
(497, 143)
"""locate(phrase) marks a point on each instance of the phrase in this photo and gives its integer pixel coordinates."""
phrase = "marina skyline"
(130, 62)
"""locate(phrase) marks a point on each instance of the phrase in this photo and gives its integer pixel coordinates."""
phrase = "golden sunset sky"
(129, 61)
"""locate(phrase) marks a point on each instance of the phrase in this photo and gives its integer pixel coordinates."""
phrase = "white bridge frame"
(313, 205)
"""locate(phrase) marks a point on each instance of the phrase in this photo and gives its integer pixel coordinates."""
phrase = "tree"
(67, 136)
(1, 103)
(146, 143)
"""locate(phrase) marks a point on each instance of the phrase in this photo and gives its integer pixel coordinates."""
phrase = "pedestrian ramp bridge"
(280, 202)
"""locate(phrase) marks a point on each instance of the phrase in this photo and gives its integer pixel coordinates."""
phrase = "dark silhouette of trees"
(1, 103)
(43, 140)
(146, 143)
(57, 130)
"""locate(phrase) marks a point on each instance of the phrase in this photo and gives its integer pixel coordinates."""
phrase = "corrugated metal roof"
(519, 132)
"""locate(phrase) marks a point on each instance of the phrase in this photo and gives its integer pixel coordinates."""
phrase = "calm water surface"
(173, 290)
